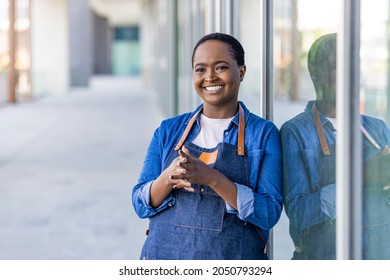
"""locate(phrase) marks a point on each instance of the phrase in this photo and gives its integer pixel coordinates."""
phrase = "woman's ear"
(242, 72)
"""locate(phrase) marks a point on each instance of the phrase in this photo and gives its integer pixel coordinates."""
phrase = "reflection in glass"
(309, 168)
(297, 24)
(309, 160)
(375, 98)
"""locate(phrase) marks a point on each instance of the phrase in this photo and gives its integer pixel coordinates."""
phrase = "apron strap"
(322, 138)
(369, 137)
(187, 130)
(320, 132)
(241, 131)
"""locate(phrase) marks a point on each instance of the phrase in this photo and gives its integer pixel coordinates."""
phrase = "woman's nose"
(211, 78)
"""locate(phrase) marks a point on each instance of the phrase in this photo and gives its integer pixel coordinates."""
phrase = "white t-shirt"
(211, 131)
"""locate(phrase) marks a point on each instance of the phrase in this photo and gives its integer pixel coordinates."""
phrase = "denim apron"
(319, 241)
(376, 209)
(198, 226)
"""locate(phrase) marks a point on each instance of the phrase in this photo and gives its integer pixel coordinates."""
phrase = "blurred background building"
(56, 45)
(48, 47)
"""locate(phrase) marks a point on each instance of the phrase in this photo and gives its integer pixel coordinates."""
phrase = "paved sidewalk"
(67, 167)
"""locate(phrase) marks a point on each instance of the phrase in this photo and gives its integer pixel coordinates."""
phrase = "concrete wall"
(102, 45)
(80, 22)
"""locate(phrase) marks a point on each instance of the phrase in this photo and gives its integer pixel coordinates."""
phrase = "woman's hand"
(198, 172)
(167, 181)
(173, 171)
(193, 170)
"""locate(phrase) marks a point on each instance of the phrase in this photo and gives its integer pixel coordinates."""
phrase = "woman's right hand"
(164, 184)
(175, 169)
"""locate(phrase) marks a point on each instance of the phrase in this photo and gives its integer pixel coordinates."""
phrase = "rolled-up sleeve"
(141, 201)
(245, 202)
(261, 204)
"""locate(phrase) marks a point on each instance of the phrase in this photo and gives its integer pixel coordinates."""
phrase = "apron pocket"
(201, 209)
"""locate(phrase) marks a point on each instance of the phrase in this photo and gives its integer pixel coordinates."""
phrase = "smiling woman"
(217, 77)
(211, 180)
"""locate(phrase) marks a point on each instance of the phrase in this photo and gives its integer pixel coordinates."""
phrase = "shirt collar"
(235, 120)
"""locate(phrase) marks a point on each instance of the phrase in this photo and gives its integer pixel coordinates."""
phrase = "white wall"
(49, 47)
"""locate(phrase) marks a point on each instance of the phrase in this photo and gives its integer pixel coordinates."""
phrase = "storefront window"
(306, 34)
(304, 110)
(375, 108)
(191, 16)
(250, 36)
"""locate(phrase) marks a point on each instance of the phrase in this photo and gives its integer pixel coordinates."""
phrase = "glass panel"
(309, 167)
(250, 37)
(191, 27)
(375, 108)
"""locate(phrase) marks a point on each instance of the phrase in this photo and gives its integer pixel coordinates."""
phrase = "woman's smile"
(213, 89)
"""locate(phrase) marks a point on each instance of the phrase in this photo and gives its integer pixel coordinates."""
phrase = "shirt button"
(226, 133)
(202, 189)
(170, 204)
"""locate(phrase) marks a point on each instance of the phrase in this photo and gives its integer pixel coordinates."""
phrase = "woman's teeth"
(213, 88)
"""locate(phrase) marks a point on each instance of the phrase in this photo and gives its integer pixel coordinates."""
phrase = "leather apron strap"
(187, 130)
(321, 136)
(320, 132)
(241, 131)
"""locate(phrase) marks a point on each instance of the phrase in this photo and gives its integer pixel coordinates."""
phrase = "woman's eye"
(199, 70)
(222, 67)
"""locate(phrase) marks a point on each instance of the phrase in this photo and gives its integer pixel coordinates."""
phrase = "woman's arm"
(307, 202)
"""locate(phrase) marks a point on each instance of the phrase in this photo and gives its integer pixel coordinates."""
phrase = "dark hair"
(321, 59)
(235, 48)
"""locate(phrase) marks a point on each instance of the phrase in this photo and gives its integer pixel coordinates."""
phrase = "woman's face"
(216, 75)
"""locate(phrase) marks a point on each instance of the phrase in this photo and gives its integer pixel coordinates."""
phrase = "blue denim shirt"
(309, 177)
(259, 203)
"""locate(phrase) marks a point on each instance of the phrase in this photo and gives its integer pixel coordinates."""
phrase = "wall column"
(80, 42)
